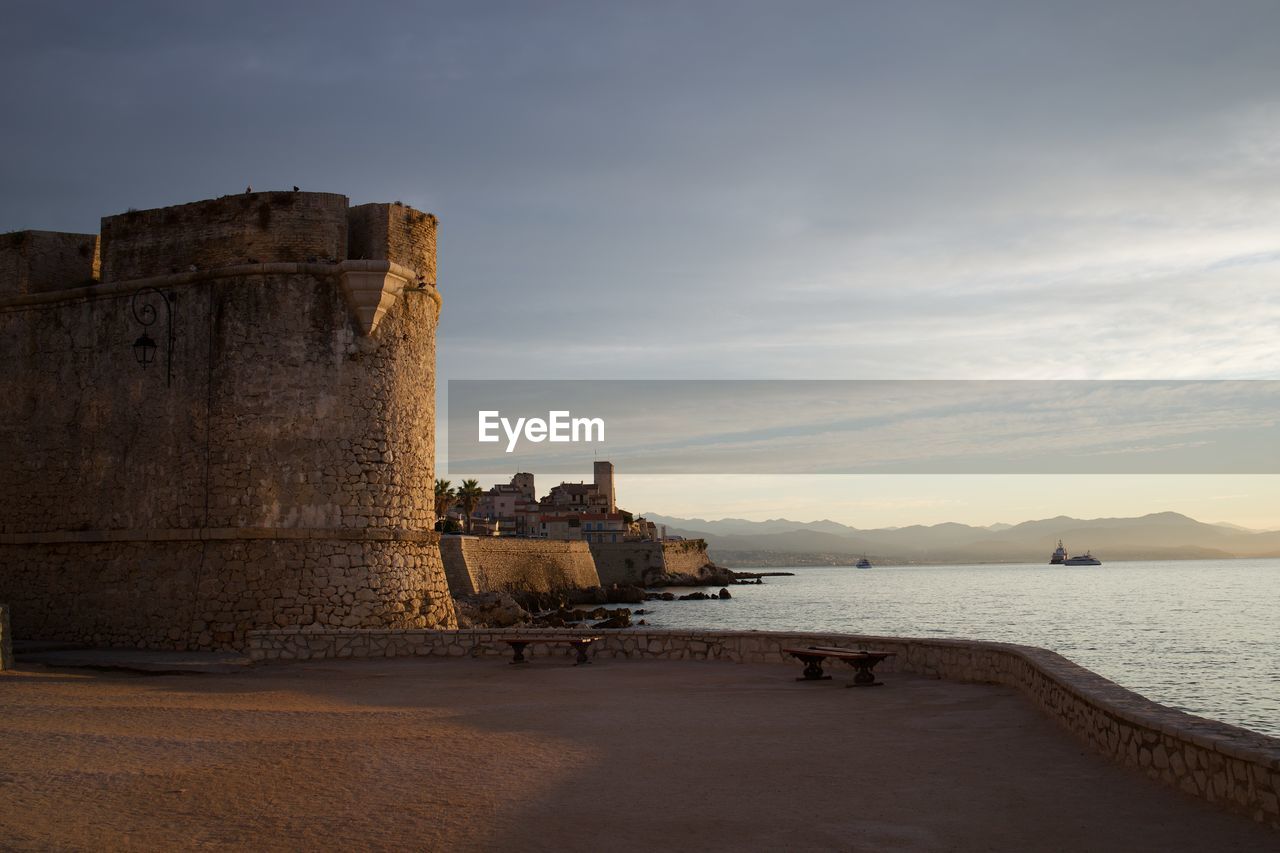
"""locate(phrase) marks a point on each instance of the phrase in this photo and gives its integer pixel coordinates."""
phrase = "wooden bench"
(863, 660)
(518, 644)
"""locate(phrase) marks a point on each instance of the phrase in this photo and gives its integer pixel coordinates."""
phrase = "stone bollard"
(6, 639)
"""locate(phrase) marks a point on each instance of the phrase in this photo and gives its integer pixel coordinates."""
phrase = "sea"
(1202, 636)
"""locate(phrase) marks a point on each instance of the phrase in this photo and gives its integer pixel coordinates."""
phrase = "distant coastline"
(739, 543)
(769, 560)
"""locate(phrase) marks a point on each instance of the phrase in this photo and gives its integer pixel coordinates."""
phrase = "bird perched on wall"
(295, 187)
(248, 190)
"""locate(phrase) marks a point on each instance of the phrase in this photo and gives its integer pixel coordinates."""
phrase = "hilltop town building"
(597, 495)
(570, 511)
(507, 502)
(575, 536)
(220, 416)
(605, 527)
(514, 509)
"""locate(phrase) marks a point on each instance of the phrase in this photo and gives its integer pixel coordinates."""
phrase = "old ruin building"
(220, 416)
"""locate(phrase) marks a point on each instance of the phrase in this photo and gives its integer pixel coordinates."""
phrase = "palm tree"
(468, 496)
(444, 500)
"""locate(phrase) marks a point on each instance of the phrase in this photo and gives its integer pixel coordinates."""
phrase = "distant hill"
(1159, 536)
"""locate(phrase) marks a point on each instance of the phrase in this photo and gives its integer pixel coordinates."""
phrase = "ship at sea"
(1062, 558)
(864, 563)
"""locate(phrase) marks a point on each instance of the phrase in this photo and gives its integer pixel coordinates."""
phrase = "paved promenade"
(478, 755)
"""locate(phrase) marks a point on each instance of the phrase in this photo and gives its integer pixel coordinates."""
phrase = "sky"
(878, 427)
(730, 190)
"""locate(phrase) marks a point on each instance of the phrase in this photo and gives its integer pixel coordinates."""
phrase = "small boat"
(864, 563)
(1086, 559)
(1059, 556)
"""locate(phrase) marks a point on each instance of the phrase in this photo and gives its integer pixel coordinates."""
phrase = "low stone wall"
(475, 564)
(6, 639)
(1223, 764)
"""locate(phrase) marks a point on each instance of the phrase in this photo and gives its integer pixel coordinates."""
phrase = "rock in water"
(624, 594)
(724, 594)
(490, 610)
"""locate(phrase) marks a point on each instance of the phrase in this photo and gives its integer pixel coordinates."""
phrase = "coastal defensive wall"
(1231, 767)
(475, 564)
(635, 562)
(218, 417)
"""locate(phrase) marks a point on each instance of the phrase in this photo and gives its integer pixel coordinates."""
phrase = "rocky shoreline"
(584, 608)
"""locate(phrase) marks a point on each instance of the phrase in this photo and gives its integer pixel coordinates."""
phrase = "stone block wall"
(626, 562)
(1221, 764)
(6, 639)
(630, 562)
(274, 465)
(278, 413)
(40, 261)
(394, 232)
(475, 564)
(252, 228)
(207, 593)
(687, 556)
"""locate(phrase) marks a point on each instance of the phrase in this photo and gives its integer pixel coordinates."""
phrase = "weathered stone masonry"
(503, 564)
(632, 562)
(282, 477)
(6, 642)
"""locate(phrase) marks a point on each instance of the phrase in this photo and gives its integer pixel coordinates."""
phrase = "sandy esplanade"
(475, 754)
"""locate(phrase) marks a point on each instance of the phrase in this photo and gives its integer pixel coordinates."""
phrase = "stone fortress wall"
(476, 564)
(6, 640)
(40, 261)
(272, 467)
(630, 562)
(1221, 764)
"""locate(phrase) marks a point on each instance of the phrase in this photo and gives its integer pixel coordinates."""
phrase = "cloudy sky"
(654, 190)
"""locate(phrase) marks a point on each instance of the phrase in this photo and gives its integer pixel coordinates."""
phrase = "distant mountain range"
(1160, 536)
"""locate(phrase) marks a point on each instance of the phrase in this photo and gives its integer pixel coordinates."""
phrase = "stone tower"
(220, 417)
(523, 483)
(604, 483)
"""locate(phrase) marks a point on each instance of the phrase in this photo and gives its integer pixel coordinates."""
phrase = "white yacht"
(1086, 559)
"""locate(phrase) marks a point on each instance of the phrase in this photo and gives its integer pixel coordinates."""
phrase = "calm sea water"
(1199, 635)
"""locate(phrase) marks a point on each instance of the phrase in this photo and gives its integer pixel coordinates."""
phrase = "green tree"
(444, 499)
(468, 496)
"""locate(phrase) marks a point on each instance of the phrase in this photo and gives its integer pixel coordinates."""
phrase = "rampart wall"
(40, 261)
(6, 639)
(273, 464)
(634, 562)
(475, 564)
(686, 557)
(238, 229)
(381, 232)
(1222, 764)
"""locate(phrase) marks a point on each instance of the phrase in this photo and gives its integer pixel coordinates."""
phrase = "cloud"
(721, 190)
(897, 427)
